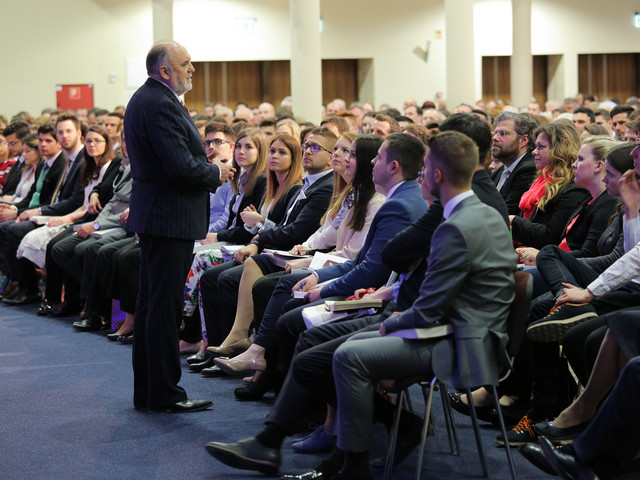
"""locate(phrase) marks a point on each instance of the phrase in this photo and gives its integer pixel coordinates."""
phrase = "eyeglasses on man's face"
(315, 148)
(215, 142)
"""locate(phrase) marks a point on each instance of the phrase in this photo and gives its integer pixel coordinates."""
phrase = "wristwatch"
(96, 225)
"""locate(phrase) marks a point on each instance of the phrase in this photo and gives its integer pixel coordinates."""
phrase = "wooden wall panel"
(254, 82)
(496, 78)
(540, 78)
(621, 76)
(611, 75)
(244, 83)
(340, 80)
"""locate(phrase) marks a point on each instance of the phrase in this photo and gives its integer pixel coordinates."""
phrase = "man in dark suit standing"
(513, 142)
(169, 210)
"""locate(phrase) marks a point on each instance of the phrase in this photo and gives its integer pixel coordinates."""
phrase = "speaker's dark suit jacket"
(169, 209)
(517, 183)
(171, 175)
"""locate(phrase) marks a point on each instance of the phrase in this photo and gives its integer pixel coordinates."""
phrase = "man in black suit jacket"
(513, 142)
(169, 210)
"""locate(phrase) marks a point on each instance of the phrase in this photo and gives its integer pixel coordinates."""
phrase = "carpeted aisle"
(67, 413)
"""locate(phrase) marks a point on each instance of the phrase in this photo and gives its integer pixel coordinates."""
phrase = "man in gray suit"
(469, 284)
(169, 210)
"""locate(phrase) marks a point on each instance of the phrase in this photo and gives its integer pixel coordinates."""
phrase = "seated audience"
(358, 364)
(344, 230)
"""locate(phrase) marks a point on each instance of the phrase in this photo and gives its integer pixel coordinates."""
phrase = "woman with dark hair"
(349, 223)
(552, 197)
(97, 174)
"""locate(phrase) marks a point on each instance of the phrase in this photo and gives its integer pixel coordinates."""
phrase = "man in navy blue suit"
(169, 210)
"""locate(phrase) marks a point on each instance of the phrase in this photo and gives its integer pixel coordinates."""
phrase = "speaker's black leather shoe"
(184, 406)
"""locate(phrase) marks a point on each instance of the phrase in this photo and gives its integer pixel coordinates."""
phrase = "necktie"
(35, 199)
(63, 177)
(503, 178)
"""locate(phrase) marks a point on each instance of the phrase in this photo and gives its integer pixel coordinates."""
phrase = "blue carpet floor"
(67, 413)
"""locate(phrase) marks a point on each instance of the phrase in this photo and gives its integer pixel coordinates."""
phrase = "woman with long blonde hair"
(553, 195)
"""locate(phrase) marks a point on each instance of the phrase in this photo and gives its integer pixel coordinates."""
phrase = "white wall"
(45, 43)
(83, 41)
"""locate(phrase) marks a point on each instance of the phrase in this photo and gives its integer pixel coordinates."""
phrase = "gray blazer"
(469, 284)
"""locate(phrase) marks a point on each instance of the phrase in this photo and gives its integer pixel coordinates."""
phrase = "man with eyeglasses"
(513, 139)
(219, 144)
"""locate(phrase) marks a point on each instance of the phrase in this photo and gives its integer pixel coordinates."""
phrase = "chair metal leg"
(454, 443)
(496, 400)
(476, 432)
(407, 401)
(393, 437)
(425, 424)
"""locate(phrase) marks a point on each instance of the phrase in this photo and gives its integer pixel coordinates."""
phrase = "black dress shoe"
(42, 309)
(310, 475)
(555, 434)
(197, 358)
(89, 324)
(113, 336)
(184, 406)
(198, 367)
(23, 298)
(64, 309)
(211, 372)
(534, 454)
(128, 338)
(255, 390)
(455, 399)
(566, 465)
(247, 454)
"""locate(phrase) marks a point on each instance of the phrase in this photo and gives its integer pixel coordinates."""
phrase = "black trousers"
(97, 256)
(164, 264)
(125, 277)
(219, 290)
(311, 374)
(11, 234)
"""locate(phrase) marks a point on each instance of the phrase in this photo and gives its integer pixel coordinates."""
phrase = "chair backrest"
(517, 320)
